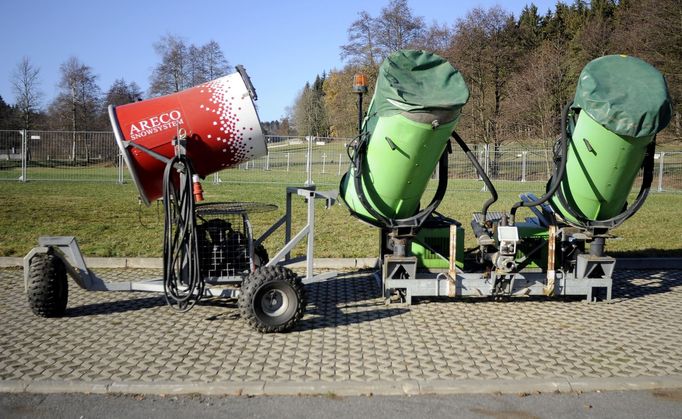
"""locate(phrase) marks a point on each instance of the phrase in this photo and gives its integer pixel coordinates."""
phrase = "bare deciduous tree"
(78, 105)
(183, 66)
(214, 61)
(361, 48)
(25, 84)
(371, 39)
(171, 75)
(397, 27)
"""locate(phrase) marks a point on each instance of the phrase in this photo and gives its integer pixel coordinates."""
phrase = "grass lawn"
(108, 221)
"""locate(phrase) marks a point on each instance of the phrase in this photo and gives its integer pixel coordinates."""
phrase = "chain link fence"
(94, 157)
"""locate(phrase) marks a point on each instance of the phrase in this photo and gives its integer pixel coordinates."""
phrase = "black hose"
(559, 170)
(183, 284)
(481, 173)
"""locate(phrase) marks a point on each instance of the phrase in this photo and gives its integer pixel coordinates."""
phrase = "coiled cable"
(183, 284)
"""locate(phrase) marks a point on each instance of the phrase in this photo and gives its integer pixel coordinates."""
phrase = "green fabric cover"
(414, 81)
(625, 95)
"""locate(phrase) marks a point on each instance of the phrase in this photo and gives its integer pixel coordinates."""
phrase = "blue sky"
(282, 43)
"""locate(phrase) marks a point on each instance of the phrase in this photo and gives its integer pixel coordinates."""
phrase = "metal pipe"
(481, 173)
(559, 171)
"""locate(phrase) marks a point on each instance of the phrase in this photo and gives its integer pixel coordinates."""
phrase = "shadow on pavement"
(349, 298)
(118, 306)
(354, 297)
(645, 283)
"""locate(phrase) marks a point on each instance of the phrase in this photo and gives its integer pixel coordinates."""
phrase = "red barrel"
(219, 119)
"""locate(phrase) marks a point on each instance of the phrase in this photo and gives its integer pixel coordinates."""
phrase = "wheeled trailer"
(233, 264)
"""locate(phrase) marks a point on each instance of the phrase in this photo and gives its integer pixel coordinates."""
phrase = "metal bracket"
(67, 249)
(284, 255)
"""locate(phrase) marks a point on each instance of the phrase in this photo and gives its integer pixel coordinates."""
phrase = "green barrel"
(622, 102)
(416, 104)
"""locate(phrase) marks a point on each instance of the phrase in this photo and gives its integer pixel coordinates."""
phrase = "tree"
(7, 115)
(520, 72)
(362, 48)
(78, 104)
(652, 30)
(171, 75)
(25, 84)
(370, 39)
(485, 46)
(309, 110)
(436, 38)
(537, 95)
(121, 93)
(484, 49)
(183, 66)
(530, 27)
(341, 104)
(397, 27)
(215, 63)
(196, 68)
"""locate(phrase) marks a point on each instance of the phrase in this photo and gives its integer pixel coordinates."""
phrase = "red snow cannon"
(218, 119)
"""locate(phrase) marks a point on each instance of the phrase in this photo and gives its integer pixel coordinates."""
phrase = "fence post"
(288, 155)
(24, 155)
(660, 171)
(523, 165)
(267, 161)
(340, 158)
(486, 168)
(216, 178)
(324, 161)
(120, 168)
(309, 162)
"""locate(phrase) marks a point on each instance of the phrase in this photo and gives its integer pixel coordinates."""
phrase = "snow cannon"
(209, 248)
(620, 104)
(416, 105)
(217, 118)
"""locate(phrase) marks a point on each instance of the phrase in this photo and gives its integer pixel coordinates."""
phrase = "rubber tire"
(260, 256)
(263, 280)
(47, 287)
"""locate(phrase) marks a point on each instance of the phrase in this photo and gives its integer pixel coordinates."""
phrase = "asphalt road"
(617, 404)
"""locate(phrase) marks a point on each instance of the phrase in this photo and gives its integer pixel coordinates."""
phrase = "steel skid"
(580, 274)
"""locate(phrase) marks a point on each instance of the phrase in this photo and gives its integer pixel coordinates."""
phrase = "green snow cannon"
(620, 104)
(417, 102)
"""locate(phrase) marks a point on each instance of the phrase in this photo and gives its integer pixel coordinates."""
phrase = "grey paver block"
(348, 342)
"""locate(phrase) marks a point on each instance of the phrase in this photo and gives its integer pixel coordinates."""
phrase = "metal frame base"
(67, 249)
(458, 284)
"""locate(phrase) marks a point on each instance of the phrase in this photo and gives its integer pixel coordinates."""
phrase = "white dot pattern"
(235, 133)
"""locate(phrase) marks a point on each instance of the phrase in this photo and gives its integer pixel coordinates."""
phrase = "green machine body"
(620, 104)
(416, 104)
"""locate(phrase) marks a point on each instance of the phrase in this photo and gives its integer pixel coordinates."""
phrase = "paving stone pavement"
(347, 335)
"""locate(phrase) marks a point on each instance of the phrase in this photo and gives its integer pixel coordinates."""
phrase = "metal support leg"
(24, 155)
(287, 225)
(310, 251)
